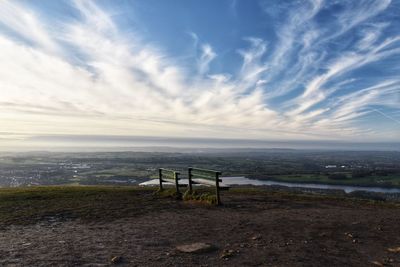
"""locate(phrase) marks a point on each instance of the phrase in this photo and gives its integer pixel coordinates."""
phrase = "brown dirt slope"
(89, 227)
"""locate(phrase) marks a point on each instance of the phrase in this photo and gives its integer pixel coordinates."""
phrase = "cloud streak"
(302, 85)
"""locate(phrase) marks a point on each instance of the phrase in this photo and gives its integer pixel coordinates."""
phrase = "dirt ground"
(250, 229)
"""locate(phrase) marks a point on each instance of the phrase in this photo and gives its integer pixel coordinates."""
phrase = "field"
(129, 168)
(90, 225)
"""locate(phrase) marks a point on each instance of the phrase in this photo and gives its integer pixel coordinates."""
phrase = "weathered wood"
(177, 185)
(190, 179)
(160, 178)
(217, 188)
(209, 183)
(205, 173)
(203, 181)
(166, 175)
(206, 177)
(166, 180)
(205, 170)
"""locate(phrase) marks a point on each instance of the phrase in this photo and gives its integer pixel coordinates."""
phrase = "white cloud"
(207, 55)
(121, 85)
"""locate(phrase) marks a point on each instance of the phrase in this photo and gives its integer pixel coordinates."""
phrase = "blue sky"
(269, 70)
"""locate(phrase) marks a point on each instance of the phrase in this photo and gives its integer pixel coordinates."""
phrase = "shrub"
(201, 197)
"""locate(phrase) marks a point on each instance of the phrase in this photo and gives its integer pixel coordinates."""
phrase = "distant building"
(330, 166)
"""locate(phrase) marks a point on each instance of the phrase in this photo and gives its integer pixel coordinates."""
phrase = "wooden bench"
(169, 176)
(206, 177)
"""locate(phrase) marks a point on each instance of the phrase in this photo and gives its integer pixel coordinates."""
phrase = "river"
(246, 181)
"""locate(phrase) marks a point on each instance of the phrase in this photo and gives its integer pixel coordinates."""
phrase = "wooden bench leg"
(217, 189)
(178, 193)
(190, 180)
(160, 177)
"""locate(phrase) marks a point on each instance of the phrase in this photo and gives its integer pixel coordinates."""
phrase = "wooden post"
(176, 177)
(190, 179)
(217, 188)
(160, 177)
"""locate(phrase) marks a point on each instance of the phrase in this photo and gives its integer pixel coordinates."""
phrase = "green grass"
(200, 196)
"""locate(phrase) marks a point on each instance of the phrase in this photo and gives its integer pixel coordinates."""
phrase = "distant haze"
(127, 143)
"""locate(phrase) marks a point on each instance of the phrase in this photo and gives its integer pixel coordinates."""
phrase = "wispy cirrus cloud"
(305, 83)
(25, 24)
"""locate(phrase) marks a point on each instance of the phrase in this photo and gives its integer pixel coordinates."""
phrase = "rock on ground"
(198, 247)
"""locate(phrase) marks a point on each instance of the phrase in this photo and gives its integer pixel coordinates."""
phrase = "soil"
(250, 229)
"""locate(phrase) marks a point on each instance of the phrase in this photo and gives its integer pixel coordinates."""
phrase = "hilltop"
(91, 225)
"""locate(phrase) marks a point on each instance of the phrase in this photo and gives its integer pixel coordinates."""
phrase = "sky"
(235, 69)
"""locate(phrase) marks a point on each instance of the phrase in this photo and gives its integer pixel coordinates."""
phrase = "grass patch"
(168, 192)
(200, 196)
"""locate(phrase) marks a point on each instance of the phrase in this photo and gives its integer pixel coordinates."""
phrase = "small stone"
(198, 247)
(322, 234)
(377, 263)
(394, 250)
(227, 253)
(256, 237)
(116, 260)
(351, 235)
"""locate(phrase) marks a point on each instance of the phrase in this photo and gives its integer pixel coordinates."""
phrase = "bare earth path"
(251, 229)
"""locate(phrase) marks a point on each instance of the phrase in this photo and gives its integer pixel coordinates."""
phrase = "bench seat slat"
(168, 180)
(209, 183)
(204, 181)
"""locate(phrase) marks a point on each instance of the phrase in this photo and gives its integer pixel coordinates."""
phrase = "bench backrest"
(204, 174)
(212, 176)
(168, 175)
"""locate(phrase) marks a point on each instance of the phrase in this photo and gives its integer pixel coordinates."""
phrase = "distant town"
(131, 168)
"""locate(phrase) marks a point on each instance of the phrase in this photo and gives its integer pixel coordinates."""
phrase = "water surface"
(246, 181)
